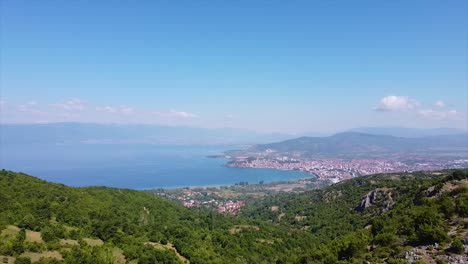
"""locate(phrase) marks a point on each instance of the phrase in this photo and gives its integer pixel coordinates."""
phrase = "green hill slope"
(140, 226)
(394, 218)
(378, 218)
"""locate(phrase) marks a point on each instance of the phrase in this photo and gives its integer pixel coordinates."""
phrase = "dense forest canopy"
(375, 218)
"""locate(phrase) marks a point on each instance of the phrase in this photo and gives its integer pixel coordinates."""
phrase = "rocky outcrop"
(438, 190)
(381, 197)
(331, 196)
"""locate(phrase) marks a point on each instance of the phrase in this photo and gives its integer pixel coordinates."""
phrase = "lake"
(132, 166)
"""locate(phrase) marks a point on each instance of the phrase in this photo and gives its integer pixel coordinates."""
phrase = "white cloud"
(439, 115)
(41, 122)
(176, 114)
(74, 104)
(404, 103)
(4, 106)
(31, 107)
(27, 106)
(439, 104)
(70, 116)
(393, 103)
(122, 109)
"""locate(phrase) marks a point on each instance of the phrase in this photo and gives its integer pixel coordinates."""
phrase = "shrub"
(23, 260)
(459, 175)
(457, 246)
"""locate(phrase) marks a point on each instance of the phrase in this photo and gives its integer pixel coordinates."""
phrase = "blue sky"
(288, 66)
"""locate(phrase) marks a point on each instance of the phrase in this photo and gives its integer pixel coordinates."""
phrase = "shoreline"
(219, 186)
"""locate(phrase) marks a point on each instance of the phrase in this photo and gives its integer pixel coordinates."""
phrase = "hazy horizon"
(462, 129)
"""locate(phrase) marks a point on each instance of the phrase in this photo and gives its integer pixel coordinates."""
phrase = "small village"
(204, 197)
(229, 207)
(230, 200)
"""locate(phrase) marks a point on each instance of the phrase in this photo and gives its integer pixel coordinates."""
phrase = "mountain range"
(93, 133)
(407, 132)
(353, 144)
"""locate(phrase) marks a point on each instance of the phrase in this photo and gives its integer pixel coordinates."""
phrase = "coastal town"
(336, 170)
(229, 200)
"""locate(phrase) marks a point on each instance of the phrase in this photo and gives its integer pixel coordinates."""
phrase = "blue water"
(132, 166)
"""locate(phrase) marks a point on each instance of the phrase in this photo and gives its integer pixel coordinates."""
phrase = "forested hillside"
(379, 218)
(394, 218)
(130, 225)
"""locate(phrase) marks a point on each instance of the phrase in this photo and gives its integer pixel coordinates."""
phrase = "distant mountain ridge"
(407, 132)
(361, 144)
(92, 133)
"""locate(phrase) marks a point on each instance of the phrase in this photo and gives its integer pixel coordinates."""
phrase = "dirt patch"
(241, 228)
(47, 254)
(93, 242)
(10, 231)
(274, 208)
(168, 246)
(7, 260)
(299, 217)
(280, 216)
(69, 242)
(33, 237)
(70, 228)
(118, 255)
(265, 241)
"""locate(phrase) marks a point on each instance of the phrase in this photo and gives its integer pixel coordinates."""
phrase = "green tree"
(30, 222)
(23, 260)
(430, 234)
(18, 246)
(457, 246)
(459, 175)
